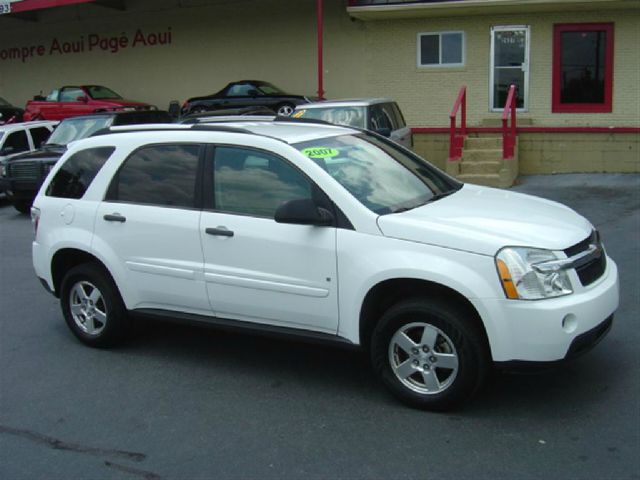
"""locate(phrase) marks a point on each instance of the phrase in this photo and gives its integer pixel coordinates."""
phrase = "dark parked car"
(247, 93)
(9, 113)
(26, 172)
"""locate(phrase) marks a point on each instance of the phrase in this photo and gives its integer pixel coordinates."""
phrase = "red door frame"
(606, 106)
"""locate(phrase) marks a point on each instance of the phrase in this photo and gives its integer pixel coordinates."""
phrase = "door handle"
(219, 231)
(115, 217)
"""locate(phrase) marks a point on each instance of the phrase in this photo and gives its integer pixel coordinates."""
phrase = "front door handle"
(220, 231)
(115, 217)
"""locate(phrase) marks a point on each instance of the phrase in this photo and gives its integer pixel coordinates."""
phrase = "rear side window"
(18, 141)
(71, 94)
(39, 135)
(398, 114)
(77, 173)
(163, 175)
(381, 117)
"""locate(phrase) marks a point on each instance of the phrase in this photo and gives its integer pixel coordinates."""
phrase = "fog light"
(569, 323)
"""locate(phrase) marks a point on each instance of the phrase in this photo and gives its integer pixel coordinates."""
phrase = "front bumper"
(553, 329)
(579, 346)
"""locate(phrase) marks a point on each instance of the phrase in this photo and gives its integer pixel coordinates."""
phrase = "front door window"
(509, 66)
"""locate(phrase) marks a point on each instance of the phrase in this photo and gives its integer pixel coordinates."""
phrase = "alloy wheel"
(423, 358)
(88, 308)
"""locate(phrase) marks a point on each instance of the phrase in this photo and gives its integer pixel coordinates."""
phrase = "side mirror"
(82, 98)
(303, 211)
(7, 151)
(253, 92)
(385, 132)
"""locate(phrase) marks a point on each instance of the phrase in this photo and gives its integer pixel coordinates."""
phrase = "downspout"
(320, 20)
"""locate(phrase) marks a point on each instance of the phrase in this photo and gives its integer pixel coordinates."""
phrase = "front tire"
(429, 354)
(92, 306)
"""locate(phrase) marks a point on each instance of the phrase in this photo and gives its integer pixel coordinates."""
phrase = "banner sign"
(89, 43)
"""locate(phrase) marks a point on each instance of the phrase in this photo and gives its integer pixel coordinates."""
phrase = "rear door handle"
(115, 217)
(220, 231)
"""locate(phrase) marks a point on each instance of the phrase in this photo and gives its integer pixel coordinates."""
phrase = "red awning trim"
(29, 5)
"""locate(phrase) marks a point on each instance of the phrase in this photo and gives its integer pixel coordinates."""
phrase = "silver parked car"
(380, 115)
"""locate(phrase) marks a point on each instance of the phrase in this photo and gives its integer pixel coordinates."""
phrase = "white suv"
(325, 233)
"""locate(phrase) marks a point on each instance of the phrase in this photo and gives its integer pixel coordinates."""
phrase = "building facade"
(575, 62)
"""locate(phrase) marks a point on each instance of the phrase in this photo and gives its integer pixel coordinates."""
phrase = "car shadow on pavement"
(329, 370)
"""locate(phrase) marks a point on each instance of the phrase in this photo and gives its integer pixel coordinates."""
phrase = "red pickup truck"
(71, 101)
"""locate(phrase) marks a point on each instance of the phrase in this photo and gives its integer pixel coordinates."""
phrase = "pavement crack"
(58, 444)
(134, 471)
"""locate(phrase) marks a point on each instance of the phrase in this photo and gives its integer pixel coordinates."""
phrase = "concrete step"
(490, 167)
(483, 143)
(489, 154)
(485, 179)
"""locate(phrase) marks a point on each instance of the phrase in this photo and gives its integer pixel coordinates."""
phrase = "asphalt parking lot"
(182, 402)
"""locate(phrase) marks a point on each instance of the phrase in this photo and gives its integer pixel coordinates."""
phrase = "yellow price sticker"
(320, 152)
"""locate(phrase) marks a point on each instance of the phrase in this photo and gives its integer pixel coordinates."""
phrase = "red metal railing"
(509, 131)
(456, 140)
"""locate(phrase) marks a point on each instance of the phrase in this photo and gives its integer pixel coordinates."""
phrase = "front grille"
(594, 269)
(21, 171)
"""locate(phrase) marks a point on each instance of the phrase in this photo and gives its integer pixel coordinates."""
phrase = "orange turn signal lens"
(507, 281)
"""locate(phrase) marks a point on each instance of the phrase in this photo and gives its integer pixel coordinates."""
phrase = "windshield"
(4, 103)
(75, 129)
(382, 177)
(350, 116)
(269, 89)
(98, 92)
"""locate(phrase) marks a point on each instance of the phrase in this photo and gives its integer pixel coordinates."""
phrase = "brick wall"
(426, 95)
(579, 152)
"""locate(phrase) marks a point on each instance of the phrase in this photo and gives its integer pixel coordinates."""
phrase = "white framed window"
(441, 49)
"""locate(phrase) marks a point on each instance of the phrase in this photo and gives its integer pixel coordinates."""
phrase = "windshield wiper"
(437, 196)
(440, 195)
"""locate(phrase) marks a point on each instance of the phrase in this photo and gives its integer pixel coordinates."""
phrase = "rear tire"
(23, 206)
(92, 306)
(429, 354)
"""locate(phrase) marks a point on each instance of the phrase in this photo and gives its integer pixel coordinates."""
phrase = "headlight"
(521, 280)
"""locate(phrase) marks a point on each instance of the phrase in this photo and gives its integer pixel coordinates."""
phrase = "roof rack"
(169, 128)
(280, 118)
(202, 119)
(257, 118)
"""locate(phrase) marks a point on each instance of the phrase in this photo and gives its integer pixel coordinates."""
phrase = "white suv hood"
(483, 220)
